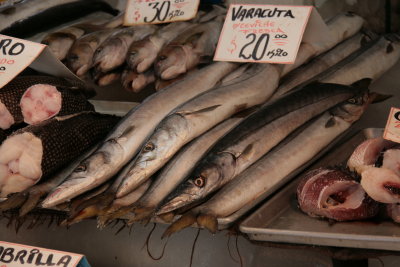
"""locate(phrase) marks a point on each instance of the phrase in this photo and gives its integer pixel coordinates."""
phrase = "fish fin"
(330, 123)
(13, 201)
(30, 203)
(183, 222)
(208, 221)
(363, 83)
(247, 151)
(207, 109)
(167, 217)
(377, 98)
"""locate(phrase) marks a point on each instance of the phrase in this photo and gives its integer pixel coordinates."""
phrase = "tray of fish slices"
(348, 198)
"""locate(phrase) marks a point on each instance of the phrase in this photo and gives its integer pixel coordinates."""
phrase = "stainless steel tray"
(280, 220)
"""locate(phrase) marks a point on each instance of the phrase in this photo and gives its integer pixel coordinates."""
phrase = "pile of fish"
(138, 55)
(372, 177)
(216, 140)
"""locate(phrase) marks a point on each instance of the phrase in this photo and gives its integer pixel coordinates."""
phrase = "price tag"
(16, 255)
(159, 11)
(392, 129)
(15, 55)
(262, 33)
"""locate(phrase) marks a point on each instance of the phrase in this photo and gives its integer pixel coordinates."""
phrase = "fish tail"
(85, 213)
(31, 202)
(143, 213)
(13, 201)
(208, 221)
(183, 222)
(105, 218)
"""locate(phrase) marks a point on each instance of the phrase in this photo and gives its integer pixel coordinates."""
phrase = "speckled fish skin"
(196, 117)
(65, 138)
(128, 136)
(254, 137)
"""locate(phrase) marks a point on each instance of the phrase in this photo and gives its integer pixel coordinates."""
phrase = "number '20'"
(262, 39)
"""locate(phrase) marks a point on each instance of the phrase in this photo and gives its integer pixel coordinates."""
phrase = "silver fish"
(322, 63)
(196, 117)
(126, 139)
(267, 174)
(255, 137)
(112, 52)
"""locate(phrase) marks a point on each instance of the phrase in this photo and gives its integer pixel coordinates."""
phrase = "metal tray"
(280, 220)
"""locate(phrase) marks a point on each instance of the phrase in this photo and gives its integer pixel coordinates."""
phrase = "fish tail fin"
(13, 201)
(31, 202)
(104, 219)
(143, 213)
(208, 221)
(85, 213)
(183, 222)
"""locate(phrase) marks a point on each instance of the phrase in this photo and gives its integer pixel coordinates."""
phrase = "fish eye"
(162, 58)
(148, 147)
(81, 168)
(352, 101)
(199, 181)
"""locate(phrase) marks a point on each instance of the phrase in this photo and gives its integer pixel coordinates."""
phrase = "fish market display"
(196, 117)
(126, 139)
(336, 195)
(33, 99)
(36, 151)
(254, 137)
(267, 173)
(35, 16)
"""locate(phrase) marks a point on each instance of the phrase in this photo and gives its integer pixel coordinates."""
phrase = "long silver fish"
(322, 63)
(186, 51)
(253, 138)
(112, 52)
(266, 174)
(196, 117)
(176, 170)
(340, 28)
(126, 139)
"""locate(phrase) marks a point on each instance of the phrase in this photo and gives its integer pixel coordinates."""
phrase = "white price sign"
(159, 11)
(15, 55)
(16, 255)
(392, 129)
(262, 33)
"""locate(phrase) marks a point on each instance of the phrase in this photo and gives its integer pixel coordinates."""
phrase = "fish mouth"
(176, 203)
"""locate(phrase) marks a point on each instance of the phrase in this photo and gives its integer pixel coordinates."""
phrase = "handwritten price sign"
(392, 129)
(15, 55)
(262, 33)
(159, 11)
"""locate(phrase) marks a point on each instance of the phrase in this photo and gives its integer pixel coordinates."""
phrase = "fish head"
(171, 62)
(79, 59)
(205, 179)
(106, 55)
(59, 43)
(141, 55)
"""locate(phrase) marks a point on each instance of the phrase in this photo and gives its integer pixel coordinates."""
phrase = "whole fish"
(127, 138)
(143, 53)
(267, 174)
(322, 63)
(340, 28)
(370, 62)
(134, 81)
(255, 137)
(62, 40)
(180, 166)
(32, 17)
(80, 56)
(37, 151)
(112, 52)
(186, 51)
(196, 117)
